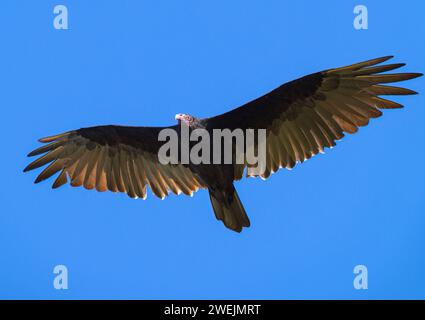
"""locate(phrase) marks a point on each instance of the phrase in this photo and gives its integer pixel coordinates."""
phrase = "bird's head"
(186, 118)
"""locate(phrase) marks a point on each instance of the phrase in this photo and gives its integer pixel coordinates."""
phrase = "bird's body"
(219, 180)
(300, 118)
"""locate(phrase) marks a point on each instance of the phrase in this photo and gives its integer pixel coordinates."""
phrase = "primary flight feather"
(301, 118)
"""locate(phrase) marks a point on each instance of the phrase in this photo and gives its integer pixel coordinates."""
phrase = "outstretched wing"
(304, 116)
(115, 158)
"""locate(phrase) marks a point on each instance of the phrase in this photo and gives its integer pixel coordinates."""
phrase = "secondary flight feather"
(301, 118)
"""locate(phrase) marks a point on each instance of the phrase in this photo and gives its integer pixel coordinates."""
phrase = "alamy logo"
(361, 20)
(221, 146)
(60, 282)
(361, 279)
(60, 22)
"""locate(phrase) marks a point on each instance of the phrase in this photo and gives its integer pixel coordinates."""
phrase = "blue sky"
(140, 63)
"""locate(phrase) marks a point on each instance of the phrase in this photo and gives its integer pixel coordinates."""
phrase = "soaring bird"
(301, 118)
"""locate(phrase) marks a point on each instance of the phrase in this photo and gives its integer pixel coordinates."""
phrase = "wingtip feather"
(53, 138)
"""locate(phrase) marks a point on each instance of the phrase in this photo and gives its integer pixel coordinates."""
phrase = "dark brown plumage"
(302, 117)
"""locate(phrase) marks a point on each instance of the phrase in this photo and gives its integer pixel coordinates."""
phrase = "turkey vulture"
(301, 118)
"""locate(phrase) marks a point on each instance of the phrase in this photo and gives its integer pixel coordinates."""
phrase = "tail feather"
(229, 209)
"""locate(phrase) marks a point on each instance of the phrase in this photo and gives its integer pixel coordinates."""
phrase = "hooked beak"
(179, 116)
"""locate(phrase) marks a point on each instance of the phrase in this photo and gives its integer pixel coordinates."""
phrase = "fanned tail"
(229, 209)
